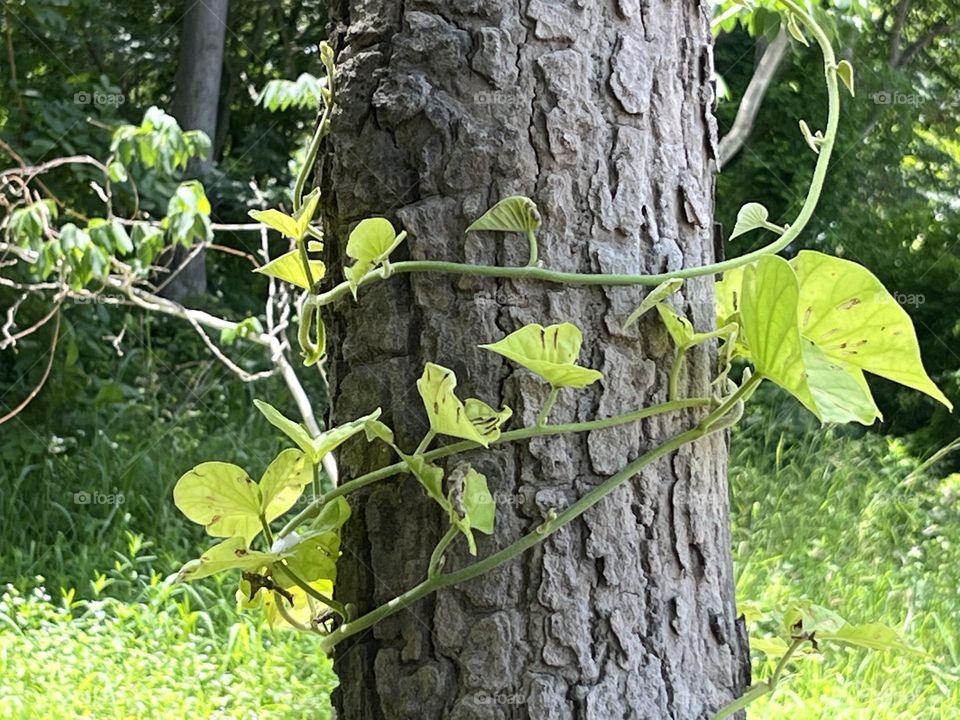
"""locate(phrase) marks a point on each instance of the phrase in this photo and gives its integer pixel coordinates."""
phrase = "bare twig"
(742, 126)
(46, 373)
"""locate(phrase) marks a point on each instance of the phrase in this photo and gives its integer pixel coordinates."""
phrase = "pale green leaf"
(295, 431)
(289, 268)
(370, 243)
(283, 482)
(485, 419)
(231, 554)
(330, 440)
(550, 352)
(840, 393)
(222, 497)
(512, 214)
(430, 476)
(750, 217)
(795, 31)
(768, 313)
(680, 329)
(813, 142)
(304, 215)
(851, 317)
(478, 503)
(874, 636)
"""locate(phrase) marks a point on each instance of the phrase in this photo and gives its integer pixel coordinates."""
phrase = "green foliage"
(304, 93)
(473, 420)
(370, 244)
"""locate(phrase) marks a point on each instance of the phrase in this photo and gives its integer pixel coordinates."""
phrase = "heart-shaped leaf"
(370, 244)
(750, 217)
(512, 214)
(277, 220)
(845, 73)
(478, 504)
(222, 497)
(550, 352)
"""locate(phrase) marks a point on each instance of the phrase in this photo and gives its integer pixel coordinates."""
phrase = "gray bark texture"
(601, 112)
(195, 106)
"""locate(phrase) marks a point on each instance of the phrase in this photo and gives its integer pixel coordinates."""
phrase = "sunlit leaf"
(295, 431)
(485, 419)
(231, 554)
(289, 268)
(855, 321)
(370, 244)
(222, 497)
(550, 352)
(283, 482)
(277, 220)
(680, 329)
(874, 636)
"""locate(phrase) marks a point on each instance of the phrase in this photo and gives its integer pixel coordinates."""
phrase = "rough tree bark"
(195, 106)
(602, 112)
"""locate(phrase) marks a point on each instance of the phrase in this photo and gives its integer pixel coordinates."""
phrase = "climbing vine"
(812, 325)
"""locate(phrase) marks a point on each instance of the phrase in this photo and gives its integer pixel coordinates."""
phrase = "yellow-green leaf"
(874, 636)
(840, 393)
(231, 554)
(485, 419)
(680, 329)
(222, 497)
(512, 214)
(333, 438)
(768, 313)
(370, 244)
(289, 268)
(445, 410)
(283, 482)
(550, 352)
(305, 214)
(851, 317)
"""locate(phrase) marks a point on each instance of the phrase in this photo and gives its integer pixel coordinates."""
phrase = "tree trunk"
(195, 105)
(601, 112)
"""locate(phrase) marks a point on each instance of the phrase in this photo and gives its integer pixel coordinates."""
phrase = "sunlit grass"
(830, 518)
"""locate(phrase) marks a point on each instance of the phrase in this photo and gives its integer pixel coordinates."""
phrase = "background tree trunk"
(195, 105)
(600, 111)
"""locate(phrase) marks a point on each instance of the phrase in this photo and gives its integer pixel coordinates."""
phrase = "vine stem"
(549, 526)
(312, 591)
(455, 448)
(548, 406)
(436, 559)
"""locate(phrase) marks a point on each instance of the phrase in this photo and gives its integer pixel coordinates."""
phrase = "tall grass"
(829, 516)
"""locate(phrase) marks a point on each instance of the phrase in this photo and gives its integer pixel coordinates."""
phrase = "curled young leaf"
(550, 352)
(449, 416)
(660, 293)
(314, 447)
(845, 73)
(370, 244)
(512, 214)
